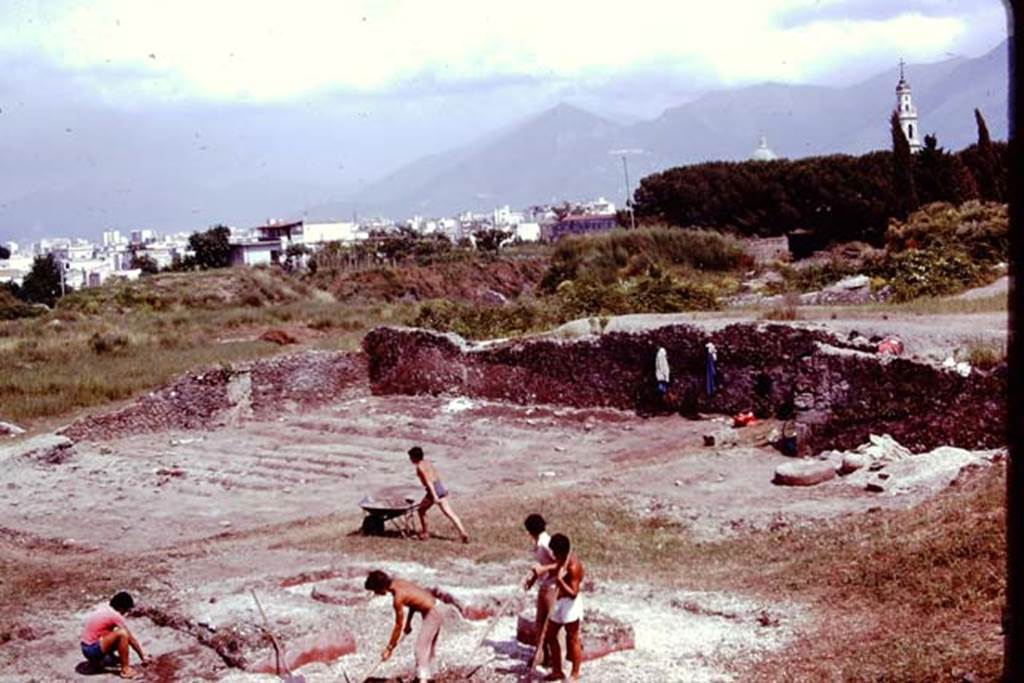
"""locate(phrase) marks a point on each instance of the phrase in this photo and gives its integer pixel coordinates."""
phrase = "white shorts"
(567, 610)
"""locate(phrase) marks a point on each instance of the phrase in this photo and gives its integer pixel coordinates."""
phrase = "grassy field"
(109, 344)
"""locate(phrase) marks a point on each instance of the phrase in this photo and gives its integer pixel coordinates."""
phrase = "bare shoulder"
(575, 566)
(408, 594)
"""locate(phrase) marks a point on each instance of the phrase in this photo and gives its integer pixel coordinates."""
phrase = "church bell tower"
(907, 113)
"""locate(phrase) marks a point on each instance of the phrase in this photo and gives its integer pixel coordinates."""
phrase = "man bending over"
(409, 596)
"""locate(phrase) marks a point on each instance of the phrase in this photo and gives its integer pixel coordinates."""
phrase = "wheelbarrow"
(381, 510)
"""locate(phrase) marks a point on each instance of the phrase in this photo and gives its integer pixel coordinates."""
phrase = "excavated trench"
(837, 392)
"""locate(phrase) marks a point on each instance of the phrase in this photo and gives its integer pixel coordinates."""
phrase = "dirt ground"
(193, 521)
(931, 337)
(198, 519)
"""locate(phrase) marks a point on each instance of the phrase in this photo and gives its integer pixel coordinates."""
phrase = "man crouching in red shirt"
(106, 638)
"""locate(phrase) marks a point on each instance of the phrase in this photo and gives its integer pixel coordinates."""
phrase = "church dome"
(763, 151)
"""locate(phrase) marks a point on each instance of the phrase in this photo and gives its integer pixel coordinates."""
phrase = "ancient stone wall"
(222, 395)
(837, 391)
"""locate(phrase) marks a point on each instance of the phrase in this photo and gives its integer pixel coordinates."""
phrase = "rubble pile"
(837, 391)
(305, 379)
(191, 402)
(211, 398)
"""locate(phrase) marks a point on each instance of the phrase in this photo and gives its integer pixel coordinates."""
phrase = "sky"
(89, 91)
(229, 50)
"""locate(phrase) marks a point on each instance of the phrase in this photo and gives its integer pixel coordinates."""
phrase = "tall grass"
(69, 360)
(910, 595)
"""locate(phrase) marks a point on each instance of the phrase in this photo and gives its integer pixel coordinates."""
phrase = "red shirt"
(100, 622)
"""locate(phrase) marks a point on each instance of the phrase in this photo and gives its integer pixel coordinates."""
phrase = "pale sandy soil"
(187, 502)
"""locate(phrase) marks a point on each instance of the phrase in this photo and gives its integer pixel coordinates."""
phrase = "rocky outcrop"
(838, 392)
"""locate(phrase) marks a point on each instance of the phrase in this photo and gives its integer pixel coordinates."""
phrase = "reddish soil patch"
(279, 337)
(325, 646)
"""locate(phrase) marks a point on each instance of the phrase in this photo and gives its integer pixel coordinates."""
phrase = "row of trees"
(836, 198)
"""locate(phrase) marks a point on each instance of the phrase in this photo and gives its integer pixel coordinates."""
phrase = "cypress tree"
(903, 168)
(989, 186)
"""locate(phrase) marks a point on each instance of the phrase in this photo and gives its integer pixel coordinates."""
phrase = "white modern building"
(113, 238)
(528, 232)
(162, 253)
(255, 253)
(315, 234)
(143, 236)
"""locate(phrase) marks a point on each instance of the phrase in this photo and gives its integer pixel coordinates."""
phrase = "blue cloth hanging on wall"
(710, 369)
(710, 375)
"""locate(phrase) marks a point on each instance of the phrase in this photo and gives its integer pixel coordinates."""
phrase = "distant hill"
(565, 152)
(75, 163)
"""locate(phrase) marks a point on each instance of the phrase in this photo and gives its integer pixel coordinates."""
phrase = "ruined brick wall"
(842, 392)
(846, 397)
(207, 399)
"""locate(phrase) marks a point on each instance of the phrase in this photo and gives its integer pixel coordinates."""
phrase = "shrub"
(818, 276)
(481, 321)
(985, 355)
(661, 293)
(978, 229)
(108, 343)
(933, 272)
(608, 257)
(12, 309)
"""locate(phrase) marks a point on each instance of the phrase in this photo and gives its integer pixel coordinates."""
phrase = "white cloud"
(266, 51)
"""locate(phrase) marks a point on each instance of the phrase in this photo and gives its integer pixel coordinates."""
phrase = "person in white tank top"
(541, 573)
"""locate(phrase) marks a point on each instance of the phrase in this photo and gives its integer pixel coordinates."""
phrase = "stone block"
(803, 473)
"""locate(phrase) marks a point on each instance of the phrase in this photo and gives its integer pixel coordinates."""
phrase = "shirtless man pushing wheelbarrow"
(437, 493)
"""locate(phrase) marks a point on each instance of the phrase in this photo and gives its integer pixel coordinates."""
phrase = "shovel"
(494, 620)
(288, 676)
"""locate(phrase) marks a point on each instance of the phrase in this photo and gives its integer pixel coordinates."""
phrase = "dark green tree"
(42, 284)
(491, 239)
(211, 248)
(989, 185)
(5, 253)
(903, 168)
(147, 264)
(295, 256)
(940, 176)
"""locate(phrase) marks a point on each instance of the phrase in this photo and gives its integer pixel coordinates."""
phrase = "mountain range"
(566, 153)
(75, 162)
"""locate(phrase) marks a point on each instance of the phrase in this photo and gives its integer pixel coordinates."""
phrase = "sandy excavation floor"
(197, 514)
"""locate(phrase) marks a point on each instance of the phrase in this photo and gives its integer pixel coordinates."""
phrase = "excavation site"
(743, 520)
